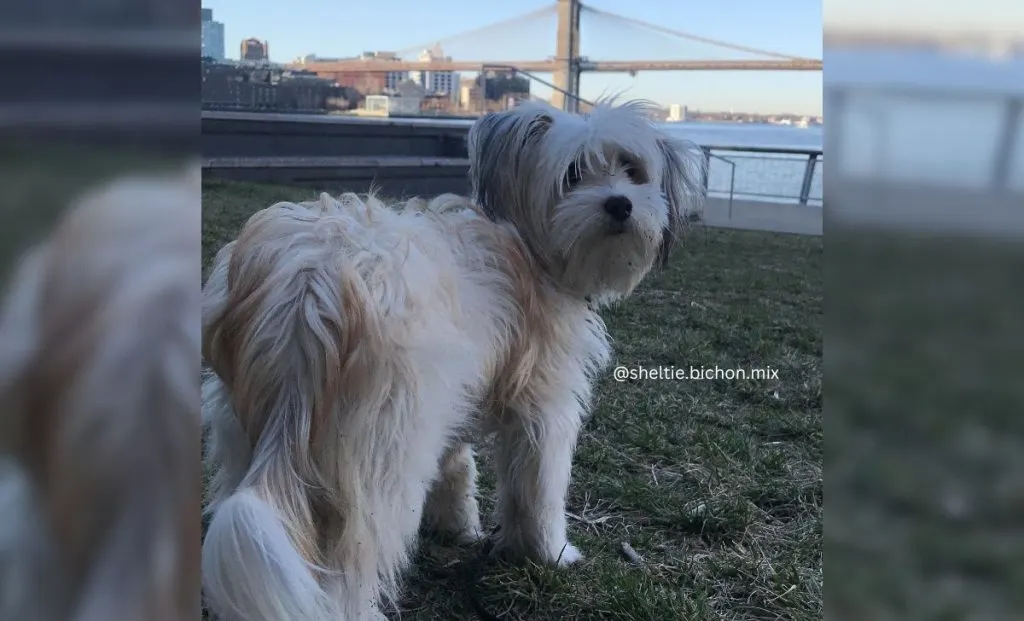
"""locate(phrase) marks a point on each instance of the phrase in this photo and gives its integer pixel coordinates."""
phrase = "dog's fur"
(356, 350)
(100, 425)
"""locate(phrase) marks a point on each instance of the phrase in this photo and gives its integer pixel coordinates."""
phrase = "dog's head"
(598, 198)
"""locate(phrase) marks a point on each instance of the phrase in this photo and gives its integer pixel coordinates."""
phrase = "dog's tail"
(260, 559)
(292, 331)
(252, 570)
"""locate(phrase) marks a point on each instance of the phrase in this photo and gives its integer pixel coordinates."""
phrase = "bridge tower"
(567, 55)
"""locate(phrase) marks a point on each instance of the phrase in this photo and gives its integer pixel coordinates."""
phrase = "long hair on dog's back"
(99, 345)
(303, 362)
(294, 327)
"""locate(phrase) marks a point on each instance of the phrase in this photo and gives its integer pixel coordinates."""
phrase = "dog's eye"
(573, 176)
(632, 171)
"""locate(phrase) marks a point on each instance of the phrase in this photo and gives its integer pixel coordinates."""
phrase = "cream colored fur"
(357, 349)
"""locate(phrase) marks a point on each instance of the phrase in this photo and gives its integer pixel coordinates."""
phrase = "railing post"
(805, 187)
(706, 172)
(832, 139)
(1004, 156)
(732, 185)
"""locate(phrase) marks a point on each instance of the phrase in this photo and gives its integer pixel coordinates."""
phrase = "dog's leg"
(534, 461)
(391, 456)
(359, 594)
(452, 509)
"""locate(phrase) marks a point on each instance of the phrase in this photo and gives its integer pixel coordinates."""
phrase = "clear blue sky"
(343, 28)
(991, 16)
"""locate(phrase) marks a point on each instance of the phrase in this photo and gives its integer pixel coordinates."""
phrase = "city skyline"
(754, 92)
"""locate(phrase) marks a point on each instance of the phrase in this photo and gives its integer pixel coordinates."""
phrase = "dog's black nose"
(619, 208)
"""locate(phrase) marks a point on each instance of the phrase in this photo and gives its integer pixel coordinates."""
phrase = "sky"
(339, 28)
(988, 16)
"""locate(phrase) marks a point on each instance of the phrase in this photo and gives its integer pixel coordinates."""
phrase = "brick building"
(366, 82)
(230, 87)
(253, 49)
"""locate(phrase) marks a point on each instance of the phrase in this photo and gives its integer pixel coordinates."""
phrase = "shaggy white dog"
(357, 349)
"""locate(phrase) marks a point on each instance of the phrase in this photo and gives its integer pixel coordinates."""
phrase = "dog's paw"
(513, 549)
(570, 554)
(462, 537)
(468, 537)
(457, 523)
(469, 532)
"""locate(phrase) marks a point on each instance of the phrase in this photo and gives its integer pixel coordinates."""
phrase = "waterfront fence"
(774, 174)
(424, 155)
(994, 119)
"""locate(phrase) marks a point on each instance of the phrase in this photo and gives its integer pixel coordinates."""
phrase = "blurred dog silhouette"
(99, 390)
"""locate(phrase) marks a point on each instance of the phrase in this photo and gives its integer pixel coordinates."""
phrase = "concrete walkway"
(764, 216)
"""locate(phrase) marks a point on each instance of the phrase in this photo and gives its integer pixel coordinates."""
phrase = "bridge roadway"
(550, 66)
(400, 157)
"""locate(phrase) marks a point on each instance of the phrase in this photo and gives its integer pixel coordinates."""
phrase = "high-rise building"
(676, 113)
(253, 49)
(213, 36)
(394, 78)
(436, 82)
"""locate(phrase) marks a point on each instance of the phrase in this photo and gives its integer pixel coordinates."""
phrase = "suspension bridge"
(567, 64)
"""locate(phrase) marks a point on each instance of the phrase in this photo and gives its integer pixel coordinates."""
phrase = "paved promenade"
(764, 216)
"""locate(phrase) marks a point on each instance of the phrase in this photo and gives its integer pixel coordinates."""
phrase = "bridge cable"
(541, 12)
(691, 37)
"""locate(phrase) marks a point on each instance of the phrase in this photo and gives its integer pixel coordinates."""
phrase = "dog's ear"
(498, 146)
(682, 183)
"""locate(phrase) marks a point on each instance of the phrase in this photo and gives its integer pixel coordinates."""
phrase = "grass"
(39, 180)
(716, 484)
(925, 434)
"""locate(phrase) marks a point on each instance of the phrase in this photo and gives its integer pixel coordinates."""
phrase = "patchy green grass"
(716, 484)
(38, 181)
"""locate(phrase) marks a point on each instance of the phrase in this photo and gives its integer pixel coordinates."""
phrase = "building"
(677, 113)
(313, 58)
(394, 78)
(253, 49)
(492, 91)
(213, 36)
(406, 102)
(391, 79)
(470, 95)
(366, 82)
(265, 88)
(436, 82)
(500, 85)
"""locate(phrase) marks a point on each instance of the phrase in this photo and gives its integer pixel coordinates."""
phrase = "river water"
(940, 119)
(760, 176)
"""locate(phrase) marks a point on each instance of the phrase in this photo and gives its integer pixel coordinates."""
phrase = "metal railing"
(708, 155)
(732, 171)
(881, 103)
(764, 173)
